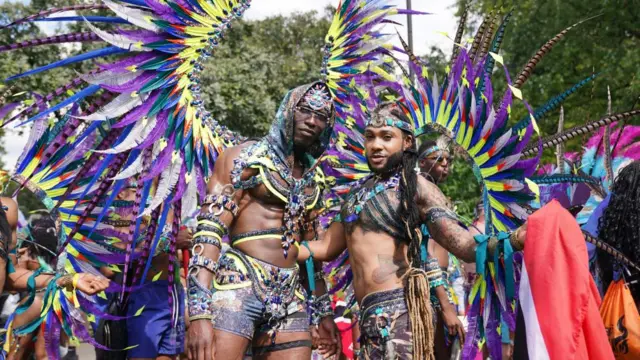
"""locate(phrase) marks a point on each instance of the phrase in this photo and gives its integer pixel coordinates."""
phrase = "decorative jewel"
(317, 98)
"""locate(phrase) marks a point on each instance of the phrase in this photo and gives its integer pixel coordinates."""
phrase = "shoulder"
(429, 194)
(12, 209)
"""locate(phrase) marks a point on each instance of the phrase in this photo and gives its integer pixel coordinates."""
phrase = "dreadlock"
(618, 225)
(416, 287)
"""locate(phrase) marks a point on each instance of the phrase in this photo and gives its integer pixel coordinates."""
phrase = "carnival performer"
(434, 159)
(616, 228)
(36, 250)
(261, 195)
(257, 290)
(394, 322)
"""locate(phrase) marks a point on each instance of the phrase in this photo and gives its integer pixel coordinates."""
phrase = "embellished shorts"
(253, 297)
(385, 327)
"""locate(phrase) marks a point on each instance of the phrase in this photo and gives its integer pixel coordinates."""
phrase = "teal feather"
(564, 178)
(553, 104)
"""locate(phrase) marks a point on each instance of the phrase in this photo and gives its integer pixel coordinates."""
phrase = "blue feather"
(71, 60)
(156, 237)
(141, 3)
(116, 190)
(89, 90)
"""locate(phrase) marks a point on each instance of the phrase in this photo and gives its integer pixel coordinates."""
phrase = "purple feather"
(58, 39)
(122, 65)
(132, 85)
(145, 36)
(156, 132)
(138, 112)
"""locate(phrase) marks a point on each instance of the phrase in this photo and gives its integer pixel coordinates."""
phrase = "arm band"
(222, 202)
(199, 300)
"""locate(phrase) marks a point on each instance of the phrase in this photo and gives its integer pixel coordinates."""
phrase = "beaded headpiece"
(384, 117)
(429, 151)
(318, 99)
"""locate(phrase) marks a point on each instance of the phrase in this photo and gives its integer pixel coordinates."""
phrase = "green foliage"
(608, 44)
(258, 62)
(462, 188)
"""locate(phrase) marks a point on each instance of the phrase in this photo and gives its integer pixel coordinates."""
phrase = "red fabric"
(347, 338)
(565, 296)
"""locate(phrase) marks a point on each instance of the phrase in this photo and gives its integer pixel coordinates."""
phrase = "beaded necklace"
(357, 199)
(293, 193)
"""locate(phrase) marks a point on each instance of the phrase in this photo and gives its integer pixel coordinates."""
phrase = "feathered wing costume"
(463, 108)
(145, 127)
(140, 122)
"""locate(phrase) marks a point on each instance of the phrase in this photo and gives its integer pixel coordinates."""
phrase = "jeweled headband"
(384, 117)
(317, 99)
(429, 151)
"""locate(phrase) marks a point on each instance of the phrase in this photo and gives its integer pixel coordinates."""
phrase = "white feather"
(137, 135)
(134, 16)
(109, 78)
(190, 198)
(169, 179)
(38, 128)
(118, 40)
(491, 119)
(509, 161)
(133, 169)
(116, 108)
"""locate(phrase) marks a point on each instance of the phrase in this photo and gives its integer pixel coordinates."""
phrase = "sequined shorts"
(385, 327)
(253, 297)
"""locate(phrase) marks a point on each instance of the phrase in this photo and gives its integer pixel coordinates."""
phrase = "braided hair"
(618, 225)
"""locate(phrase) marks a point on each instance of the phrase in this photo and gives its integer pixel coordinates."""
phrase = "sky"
(428, 30)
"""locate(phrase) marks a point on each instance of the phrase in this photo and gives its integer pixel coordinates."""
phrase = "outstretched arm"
(329, 247)
(444, 227)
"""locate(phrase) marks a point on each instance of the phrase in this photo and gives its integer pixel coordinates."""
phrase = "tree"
(608, 44)
(258, 62)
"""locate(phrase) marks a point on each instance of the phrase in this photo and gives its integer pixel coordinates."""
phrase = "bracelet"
(66, 281)
(515, 241)
(199, 300)
(320, 307)
(201, 240)
(198, 260)
(310, 268)
(222, 202)
(210, 219)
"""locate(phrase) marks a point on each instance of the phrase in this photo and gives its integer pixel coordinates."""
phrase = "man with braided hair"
(261, 195)
(380, 225)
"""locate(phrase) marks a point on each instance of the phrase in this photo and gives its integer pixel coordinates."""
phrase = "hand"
(184, 238)
(507, 351)
(200, 340)
(453, 323)
(91, 284)
(329, 343)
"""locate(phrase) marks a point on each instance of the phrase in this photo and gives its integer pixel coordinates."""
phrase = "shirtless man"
(383, 249)
(260, 195)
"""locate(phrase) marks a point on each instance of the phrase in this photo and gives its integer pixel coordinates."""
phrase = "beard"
(392, 163)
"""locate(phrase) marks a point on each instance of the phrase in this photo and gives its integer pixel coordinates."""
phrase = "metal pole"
(410, 33)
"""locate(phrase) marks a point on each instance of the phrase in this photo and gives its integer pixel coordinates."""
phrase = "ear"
(407, 142)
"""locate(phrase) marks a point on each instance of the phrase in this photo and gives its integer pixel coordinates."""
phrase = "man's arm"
(445, 229)
(214, 220)
(329, 247)
(8, 240)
